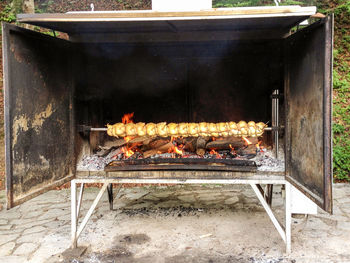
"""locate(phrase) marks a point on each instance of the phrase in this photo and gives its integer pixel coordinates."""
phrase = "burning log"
(229, 143)
(181, 164)
(248, 152)
(161, 149)
(201, 145)
(190, 144)
(202, 129)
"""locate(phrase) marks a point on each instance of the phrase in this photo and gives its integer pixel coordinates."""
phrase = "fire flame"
(213, 152)
(246, 141)
(127, 152)
(127, 138)
(178, 150)
(127, 118)
(258, 146)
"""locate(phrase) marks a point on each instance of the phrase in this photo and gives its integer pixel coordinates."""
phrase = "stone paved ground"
(174, 224)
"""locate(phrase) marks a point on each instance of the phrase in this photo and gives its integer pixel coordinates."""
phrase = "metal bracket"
(276, 96)
(111, 196)
(263, 196)
(284, 231)
(74, 211)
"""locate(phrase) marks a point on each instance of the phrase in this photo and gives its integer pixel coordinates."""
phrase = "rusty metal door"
(38, 113)
(308, 92)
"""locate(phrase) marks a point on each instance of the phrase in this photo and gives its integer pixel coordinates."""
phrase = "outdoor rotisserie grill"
(213, 66)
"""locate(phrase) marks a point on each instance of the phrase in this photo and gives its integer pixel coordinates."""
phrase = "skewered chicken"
(203, 129)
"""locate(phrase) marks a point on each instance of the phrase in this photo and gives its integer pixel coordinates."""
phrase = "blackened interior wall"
(175, 82)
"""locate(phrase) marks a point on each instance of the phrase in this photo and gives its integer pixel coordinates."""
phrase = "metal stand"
(284, 231)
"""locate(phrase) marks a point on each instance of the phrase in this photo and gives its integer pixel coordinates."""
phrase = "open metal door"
(38, 113)
(308, 92)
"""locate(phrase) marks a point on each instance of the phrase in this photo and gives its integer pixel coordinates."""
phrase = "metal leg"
(288, 218)
(268, 210)
(74, 208)
(74, 213)
(110, 195)
(268, 195)
(91, 210)
(80, 199)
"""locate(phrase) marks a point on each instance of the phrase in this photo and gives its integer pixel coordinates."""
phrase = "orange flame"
(127, 138)
(232, 149)
(127, 152)
(127, 118)
(217, 155)
(247, 141)
(178, 150)
(258, 146)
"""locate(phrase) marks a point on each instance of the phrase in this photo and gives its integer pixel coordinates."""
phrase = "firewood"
(248, 151)
(190, 144)
(200, 145)
(157, 143)
(114, 143)
(110, 146)
(235, 143)
(140, 139)
(162, 149)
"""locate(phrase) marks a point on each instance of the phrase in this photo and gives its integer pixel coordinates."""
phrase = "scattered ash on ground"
(164, 212)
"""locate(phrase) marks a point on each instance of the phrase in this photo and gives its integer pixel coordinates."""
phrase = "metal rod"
(275, 119)
(79, 200)
(91, 210)
(278, 179)
(98, 129)
(105, 129)
(288, 218)
(74, 213)
(268, 210)
(110, 196)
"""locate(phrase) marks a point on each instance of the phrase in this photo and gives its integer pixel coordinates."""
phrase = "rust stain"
(17, 54)
(41, 117)
(20, 123)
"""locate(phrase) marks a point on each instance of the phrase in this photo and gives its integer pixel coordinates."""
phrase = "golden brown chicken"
(203, 129)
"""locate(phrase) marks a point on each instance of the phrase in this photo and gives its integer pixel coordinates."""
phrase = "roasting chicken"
(204, 129)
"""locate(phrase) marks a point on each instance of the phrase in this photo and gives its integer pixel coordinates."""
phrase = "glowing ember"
(178, 151)
(127, 118)
(232, 149)
(247, 141)
(127, 152)
(213, 152)
(259, 147)
(127, 138)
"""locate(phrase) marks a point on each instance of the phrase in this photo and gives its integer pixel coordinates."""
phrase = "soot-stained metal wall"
(308, 106)
(175, 82)
(38, 108)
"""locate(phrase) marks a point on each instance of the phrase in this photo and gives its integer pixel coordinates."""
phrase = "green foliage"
(341, 86)
(8, 14)
(239, 3)
(243, 3)
(341, 114)
(341, 159)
